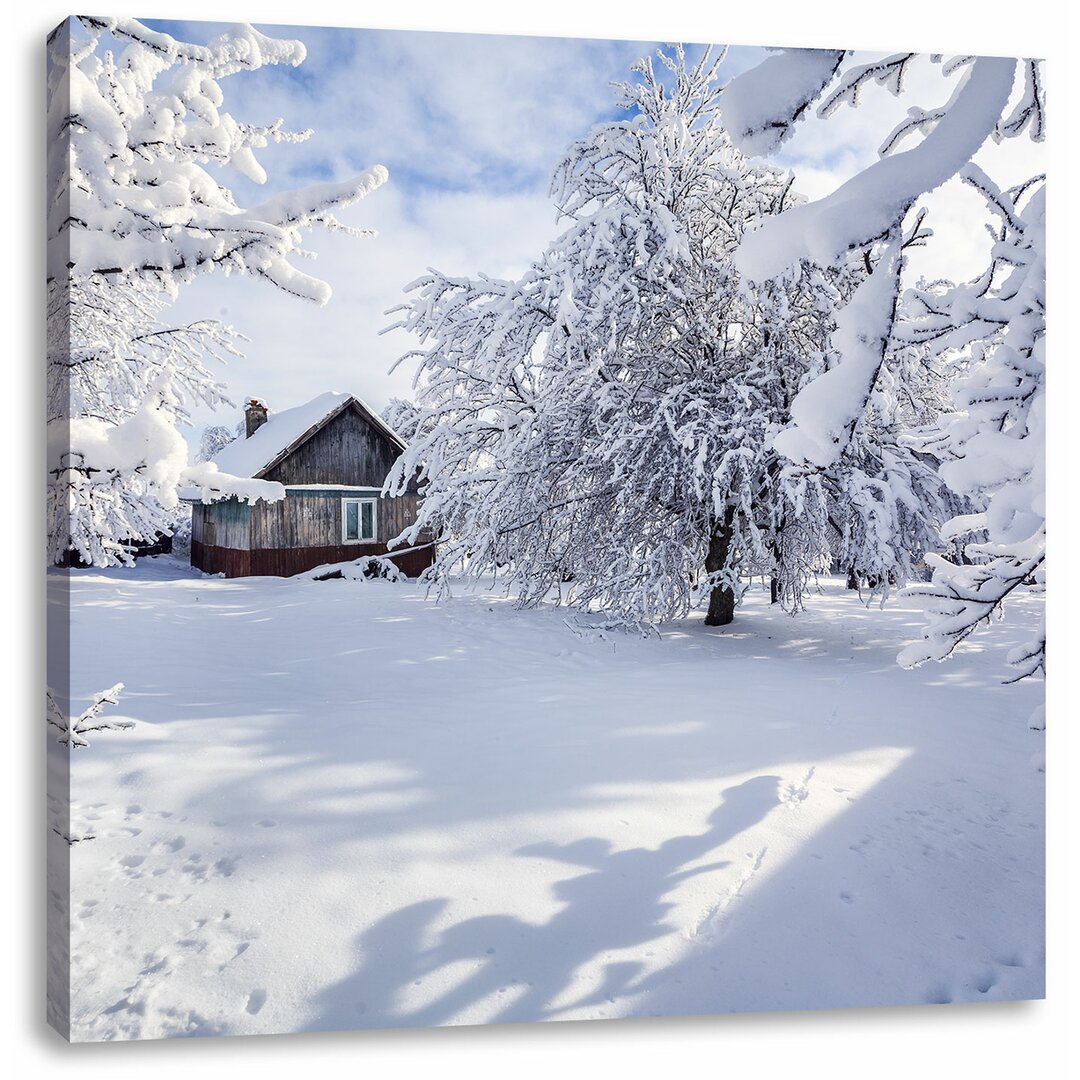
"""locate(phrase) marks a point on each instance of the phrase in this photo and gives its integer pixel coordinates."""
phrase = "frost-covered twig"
(888, 72)
(960, 598)
(1030, 111)
(73, 731)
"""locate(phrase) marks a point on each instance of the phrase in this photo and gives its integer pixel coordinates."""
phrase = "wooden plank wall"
(313, 519)
(220, 537)
(222, 524)
(219, 560)
(396, 515)
(284, 562)
(295, 534)
(349, 450)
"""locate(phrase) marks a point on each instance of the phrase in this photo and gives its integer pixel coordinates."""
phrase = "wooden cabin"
(332, 455)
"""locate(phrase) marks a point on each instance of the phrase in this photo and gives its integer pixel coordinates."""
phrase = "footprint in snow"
(195, 869)
(199, 869)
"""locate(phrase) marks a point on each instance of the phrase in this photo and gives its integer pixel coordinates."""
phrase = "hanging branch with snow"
(993, 446)
(138, 139)
(130, 190)
(991, 329)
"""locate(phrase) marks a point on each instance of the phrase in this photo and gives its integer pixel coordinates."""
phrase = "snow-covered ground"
(346, 806)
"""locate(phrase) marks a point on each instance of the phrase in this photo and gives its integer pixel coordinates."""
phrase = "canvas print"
(539, 529)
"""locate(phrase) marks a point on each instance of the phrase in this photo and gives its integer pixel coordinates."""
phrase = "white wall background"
(1032, 1040)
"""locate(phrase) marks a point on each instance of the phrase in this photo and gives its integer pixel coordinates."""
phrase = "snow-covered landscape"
(345, 806)
(565, 542)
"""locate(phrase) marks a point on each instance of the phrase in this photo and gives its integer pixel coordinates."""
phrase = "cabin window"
(358, 521)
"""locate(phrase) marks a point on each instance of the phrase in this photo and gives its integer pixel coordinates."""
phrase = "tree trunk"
(722, 598)
(774, 581)
(852, 579)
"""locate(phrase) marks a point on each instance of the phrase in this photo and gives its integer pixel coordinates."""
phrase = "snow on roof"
(248, 457)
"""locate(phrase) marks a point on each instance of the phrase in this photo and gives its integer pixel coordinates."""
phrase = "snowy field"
(345, 806)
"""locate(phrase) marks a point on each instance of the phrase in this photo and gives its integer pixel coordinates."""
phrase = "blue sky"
(444, 112)
(469, 126)
(368, 97)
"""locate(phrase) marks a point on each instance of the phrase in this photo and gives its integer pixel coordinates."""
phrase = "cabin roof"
(285, 431)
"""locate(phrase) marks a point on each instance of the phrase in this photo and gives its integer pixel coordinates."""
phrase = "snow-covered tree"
(138, 141)
(608, 419)
(401, 414)
(215, 437)
(107, 345)
(991, 440)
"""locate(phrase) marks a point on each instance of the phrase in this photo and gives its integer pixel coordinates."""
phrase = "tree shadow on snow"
(618, 902)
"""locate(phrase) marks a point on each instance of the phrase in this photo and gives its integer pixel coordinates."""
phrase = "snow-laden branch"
(888, 72)
(73, 730)
(961, 598)
(826, 411)
(131, 139)
(257, 242)
(868, 206)
(994, 444)
(761, 107)
(242, 49)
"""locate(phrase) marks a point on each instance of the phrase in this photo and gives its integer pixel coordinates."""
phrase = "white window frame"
(360, 500)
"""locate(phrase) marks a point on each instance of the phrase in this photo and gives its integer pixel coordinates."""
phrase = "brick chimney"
(254, 416)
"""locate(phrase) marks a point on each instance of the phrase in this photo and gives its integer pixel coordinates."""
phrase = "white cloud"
(298, 350)
(470, 127)
(445, 110)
